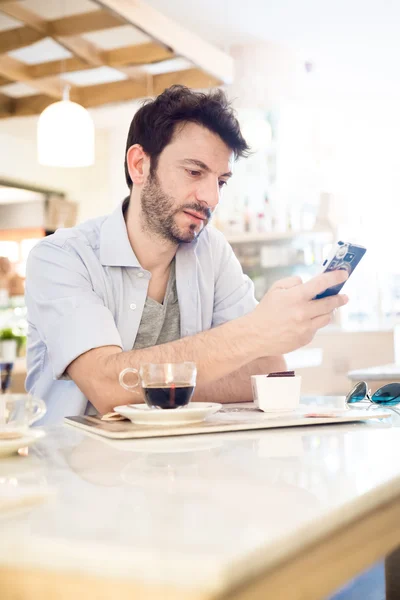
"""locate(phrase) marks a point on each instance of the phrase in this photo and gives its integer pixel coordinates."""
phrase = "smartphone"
(344, 256)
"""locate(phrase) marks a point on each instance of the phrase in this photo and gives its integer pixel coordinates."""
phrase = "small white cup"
(17, 413)
(276, 394)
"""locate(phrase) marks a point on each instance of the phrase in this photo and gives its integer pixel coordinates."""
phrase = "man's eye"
(193, 173)
(222, 183)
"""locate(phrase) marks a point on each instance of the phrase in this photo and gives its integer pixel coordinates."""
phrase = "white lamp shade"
(65, 136)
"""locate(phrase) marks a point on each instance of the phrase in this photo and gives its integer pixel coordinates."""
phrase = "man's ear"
(138, 163)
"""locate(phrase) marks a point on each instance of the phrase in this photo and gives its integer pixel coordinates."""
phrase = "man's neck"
(152, 252)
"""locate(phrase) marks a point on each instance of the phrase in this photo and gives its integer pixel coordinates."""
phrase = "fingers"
(321, 321)
(287, 283)
(322, 282)
(325, 306)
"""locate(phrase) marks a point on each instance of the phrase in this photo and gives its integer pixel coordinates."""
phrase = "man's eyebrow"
(202, 165)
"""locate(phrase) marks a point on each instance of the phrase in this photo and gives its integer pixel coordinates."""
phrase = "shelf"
(317, 236)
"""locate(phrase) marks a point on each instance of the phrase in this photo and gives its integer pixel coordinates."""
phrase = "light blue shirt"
(85, 288)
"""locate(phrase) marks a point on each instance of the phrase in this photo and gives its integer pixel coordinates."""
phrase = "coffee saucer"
(194, 412)
(11, 446)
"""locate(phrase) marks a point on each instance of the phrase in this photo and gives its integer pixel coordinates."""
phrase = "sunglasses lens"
(358, 393)
(389, 395)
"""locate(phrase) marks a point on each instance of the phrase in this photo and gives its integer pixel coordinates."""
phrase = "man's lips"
(195, 214)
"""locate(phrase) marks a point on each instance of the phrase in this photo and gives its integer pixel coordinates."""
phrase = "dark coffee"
(172, 395)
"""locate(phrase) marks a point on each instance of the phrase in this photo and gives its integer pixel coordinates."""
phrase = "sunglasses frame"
(368, 397)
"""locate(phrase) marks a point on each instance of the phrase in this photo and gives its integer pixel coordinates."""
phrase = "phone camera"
(349, 257)
(342, 251)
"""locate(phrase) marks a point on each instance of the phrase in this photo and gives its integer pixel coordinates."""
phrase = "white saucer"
(194, 412)
(9, 447)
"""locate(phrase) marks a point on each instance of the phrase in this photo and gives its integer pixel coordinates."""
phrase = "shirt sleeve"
(62, 305)
(234, 291)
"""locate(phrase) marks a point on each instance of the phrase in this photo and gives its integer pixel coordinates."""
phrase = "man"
(153, 283)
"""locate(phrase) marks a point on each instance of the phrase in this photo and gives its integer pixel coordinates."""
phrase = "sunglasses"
(387, 395)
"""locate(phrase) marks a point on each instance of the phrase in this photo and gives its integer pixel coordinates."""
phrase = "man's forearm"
(216, 352)
(236, 387)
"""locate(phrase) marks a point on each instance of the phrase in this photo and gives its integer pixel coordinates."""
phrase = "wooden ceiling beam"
(181, 41)
(140, 54)
(34, 105)
(30, 105)
(17, 10)
(57, 67)
(5, 80)
(6, 105)
(71, 25)
(172, 40)
(147, 85)
(117, 91)
(84, 23)
(82, 48)
(19, 37)
(17, 71)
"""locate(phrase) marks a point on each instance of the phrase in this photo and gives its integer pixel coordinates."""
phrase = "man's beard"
(158, 214)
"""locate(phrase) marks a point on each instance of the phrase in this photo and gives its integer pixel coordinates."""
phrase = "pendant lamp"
(65, 136)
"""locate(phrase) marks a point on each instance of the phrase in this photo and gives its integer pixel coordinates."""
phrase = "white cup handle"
(39, 410)
(129, 388)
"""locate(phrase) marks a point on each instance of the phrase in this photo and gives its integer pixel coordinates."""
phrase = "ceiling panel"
(94, 76)
(55, 9)
(17, 90)
(44, 51)
(8, 23)
(117, 37)
(167, 66)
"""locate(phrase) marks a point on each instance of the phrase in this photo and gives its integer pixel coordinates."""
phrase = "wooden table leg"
(392, 575)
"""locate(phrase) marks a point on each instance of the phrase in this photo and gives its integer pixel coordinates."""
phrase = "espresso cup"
(165, 386)
(17, 413)
(276, 394)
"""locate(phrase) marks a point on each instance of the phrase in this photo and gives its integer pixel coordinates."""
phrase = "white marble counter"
(197, 512)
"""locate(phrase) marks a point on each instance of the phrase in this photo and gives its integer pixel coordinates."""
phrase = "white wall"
(89, 186)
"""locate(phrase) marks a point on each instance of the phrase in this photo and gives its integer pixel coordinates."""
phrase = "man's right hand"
(287, 318)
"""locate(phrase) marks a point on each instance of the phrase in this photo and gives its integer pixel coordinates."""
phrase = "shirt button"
(140, 274)
(132, 306)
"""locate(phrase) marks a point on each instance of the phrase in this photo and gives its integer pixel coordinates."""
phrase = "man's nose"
(209, 193)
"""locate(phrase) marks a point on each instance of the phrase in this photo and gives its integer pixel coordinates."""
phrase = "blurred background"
(316, 86)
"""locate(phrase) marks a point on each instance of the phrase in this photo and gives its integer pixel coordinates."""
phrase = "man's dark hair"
(154, 123)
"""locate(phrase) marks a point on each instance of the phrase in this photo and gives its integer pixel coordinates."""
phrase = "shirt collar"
(115, 247)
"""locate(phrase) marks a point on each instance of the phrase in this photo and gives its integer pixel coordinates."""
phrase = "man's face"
(177, 201)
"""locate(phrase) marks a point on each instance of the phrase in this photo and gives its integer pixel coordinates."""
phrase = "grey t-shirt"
(160, 323)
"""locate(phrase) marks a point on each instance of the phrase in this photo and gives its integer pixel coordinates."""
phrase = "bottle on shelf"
(246, 217)
(268, 216)
(260, 226)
